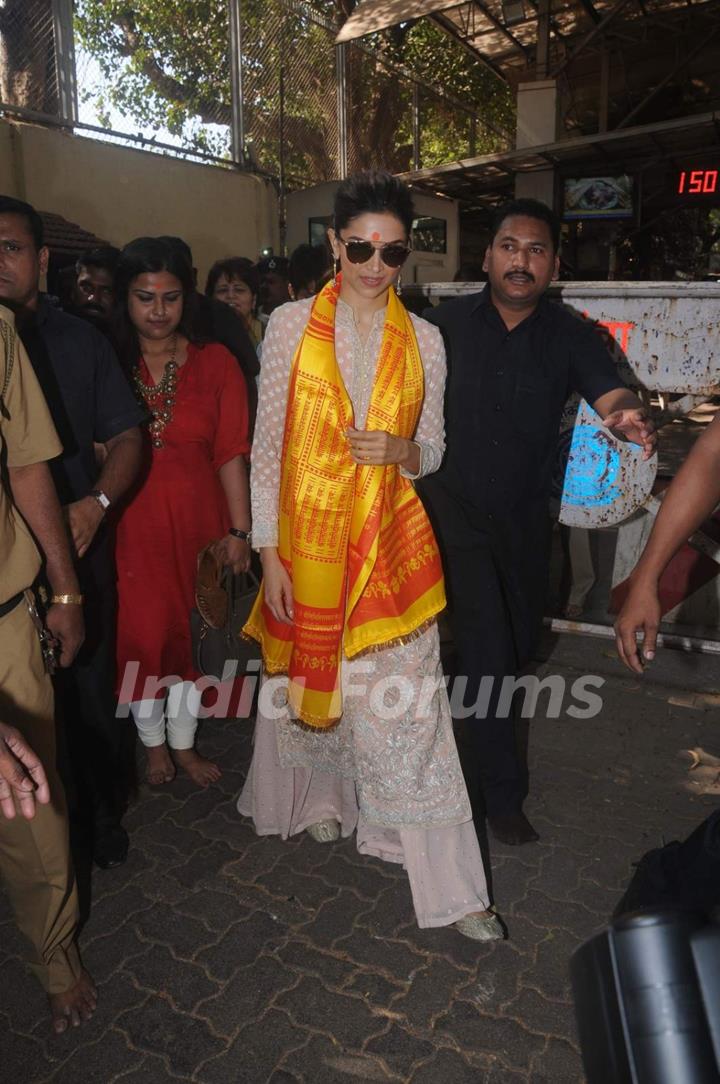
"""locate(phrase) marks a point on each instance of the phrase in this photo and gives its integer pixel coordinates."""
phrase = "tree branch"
(210, 110)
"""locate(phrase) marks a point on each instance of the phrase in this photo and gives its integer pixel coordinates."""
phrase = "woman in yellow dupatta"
(354, 729)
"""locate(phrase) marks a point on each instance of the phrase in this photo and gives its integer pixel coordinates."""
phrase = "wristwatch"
(102, 498)
(244, 536)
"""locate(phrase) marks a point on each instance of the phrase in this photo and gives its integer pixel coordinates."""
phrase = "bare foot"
(160, 767)
(200, 770)
(75, 1006)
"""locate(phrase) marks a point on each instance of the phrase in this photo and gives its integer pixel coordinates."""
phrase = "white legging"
(180, 711)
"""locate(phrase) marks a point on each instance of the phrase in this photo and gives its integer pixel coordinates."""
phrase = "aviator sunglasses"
(362, 251)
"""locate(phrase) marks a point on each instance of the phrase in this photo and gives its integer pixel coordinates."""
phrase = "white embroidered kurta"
(394, 775)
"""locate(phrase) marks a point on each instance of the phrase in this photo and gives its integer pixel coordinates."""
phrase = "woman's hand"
(277, 585)
(376, 448)
(234, 552)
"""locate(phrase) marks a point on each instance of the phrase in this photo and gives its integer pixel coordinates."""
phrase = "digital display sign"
(698, 182)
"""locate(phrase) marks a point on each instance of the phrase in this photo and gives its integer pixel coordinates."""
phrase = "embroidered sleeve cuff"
(406, 473)
(262, 537)
(264, 516)
(430, 458)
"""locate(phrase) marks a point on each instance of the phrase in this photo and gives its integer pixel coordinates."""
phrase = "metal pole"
(670, 75)
(543, 40)
(65, 60)
(604, 88)
(342, 111)
(416, 126)
(501, 27)
(596, 32)
(665, 639)
(237, 133)
(281, 157)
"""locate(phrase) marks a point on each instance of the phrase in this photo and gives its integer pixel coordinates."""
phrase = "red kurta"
(177, 509)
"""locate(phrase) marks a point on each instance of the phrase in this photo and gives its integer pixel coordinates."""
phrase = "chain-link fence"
(442, 123)
(157, 72)
(289, 92)
(379, 113)
(258, 83)
(28, 56)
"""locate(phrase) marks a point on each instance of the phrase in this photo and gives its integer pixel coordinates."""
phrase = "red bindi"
(375, 236)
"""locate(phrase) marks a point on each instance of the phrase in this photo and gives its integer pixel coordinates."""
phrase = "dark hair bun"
(374, 191)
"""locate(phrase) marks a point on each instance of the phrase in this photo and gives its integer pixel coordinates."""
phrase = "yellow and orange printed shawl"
(356, 541)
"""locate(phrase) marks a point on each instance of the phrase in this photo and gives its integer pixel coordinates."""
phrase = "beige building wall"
(8, 178)
(120, 193)
(537, 124)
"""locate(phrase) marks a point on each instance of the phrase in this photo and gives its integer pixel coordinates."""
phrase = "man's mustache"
(520, 274)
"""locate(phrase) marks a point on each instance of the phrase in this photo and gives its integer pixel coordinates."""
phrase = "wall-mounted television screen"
(598, 197)
(429, 234)
(317, 229)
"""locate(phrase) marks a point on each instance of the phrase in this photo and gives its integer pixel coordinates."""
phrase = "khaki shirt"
(27, 436)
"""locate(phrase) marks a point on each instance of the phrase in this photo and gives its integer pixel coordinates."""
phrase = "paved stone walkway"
(222, 958)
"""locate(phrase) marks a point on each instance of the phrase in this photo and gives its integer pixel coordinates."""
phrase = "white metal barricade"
(665, 340)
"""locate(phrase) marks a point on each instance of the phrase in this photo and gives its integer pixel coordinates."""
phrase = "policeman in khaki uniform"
(35, 859)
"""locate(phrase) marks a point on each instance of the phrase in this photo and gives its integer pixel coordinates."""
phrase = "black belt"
(11, 603)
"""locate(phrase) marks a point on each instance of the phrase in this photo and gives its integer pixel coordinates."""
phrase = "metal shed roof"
(481, 24)
(615, 60)
(485, 180)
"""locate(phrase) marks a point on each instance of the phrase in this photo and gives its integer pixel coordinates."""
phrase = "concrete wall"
(8, 177)
(120, 193)
(421, 266)
(537, 124)
(537, 113)
(301, 206)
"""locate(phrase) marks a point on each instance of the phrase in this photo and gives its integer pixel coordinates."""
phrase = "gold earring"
(336, 269)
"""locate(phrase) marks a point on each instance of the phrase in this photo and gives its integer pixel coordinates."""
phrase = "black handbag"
(223, 602)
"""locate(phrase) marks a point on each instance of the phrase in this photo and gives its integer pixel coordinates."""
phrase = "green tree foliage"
(676, 244)
(438, 61)
(165, 66)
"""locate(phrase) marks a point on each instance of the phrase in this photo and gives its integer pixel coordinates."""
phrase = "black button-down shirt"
(505, 395)
(90, 401)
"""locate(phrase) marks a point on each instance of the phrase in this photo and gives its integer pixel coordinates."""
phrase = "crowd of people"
(130, 413)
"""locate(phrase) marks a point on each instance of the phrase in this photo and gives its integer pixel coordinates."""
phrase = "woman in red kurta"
(193, 491)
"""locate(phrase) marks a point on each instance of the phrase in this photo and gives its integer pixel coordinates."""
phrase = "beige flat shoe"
(480, 927)
(324, 831)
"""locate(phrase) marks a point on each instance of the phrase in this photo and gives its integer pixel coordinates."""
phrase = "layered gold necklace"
(159, 398)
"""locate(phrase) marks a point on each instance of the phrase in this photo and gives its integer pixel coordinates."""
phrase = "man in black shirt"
(91, 405)
(93, 293)
(274, 272)
(513, 359)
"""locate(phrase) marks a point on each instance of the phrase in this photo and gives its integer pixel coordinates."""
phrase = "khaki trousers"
(35, 858)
